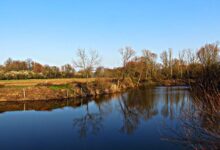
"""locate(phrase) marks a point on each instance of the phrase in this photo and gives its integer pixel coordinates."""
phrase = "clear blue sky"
(50, 31)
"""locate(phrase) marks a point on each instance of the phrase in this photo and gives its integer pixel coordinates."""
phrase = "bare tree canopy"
(149, 56)
(164, 58)
(127, 54)
(87, 62)
(209, 54)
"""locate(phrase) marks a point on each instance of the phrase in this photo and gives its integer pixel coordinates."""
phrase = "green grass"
(59, 87)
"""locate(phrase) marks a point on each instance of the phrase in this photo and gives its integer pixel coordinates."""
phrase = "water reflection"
(150, 102)
(135, 118)
(129, 114)
(197, 126)
(133, 107)
(89, 121)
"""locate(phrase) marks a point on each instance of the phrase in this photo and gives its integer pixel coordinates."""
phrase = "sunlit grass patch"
(59, 87)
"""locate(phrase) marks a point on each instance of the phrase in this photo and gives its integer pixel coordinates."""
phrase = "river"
(147, 118)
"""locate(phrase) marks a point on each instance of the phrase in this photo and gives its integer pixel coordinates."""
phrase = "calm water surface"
(138, 119)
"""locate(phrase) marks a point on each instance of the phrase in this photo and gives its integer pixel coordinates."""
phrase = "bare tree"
(189, 58)
(171, 61)
(150, 62)
(164, 58)
(167, 59)
(181, 62)
(127, 54)
(208, 54)
(87, 62)
(29, 63)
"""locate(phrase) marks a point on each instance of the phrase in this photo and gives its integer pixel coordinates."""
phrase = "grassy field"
(34, 82)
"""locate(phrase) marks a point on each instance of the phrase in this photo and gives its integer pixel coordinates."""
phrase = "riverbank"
(52, 89)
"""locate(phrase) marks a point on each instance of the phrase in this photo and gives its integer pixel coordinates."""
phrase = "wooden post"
(67, 93)
(81, 97)
(81, 91)
(24, 93)
(118, 83)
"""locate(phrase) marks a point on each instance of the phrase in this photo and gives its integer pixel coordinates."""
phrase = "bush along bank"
(47, 91)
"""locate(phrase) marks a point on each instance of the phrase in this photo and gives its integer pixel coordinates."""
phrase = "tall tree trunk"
(139, 78)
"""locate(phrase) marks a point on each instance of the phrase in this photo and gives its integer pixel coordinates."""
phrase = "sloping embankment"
(47, 91)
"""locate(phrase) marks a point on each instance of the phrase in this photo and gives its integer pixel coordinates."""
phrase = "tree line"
(28, 69)
(200, 65)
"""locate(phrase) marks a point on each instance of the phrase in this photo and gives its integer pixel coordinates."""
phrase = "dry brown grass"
(34, 82)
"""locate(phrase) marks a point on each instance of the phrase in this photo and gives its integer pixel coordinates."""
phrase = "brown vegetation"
(37, 90)
(34, 82)
(201, 127)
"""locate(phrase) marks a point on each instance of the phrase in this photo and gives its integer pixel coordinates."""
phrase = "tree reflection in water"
(88, 122)
(91, 122)
(134, 106)
(137, 105)
(198, 126)
(130, 116)
(181, 119)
